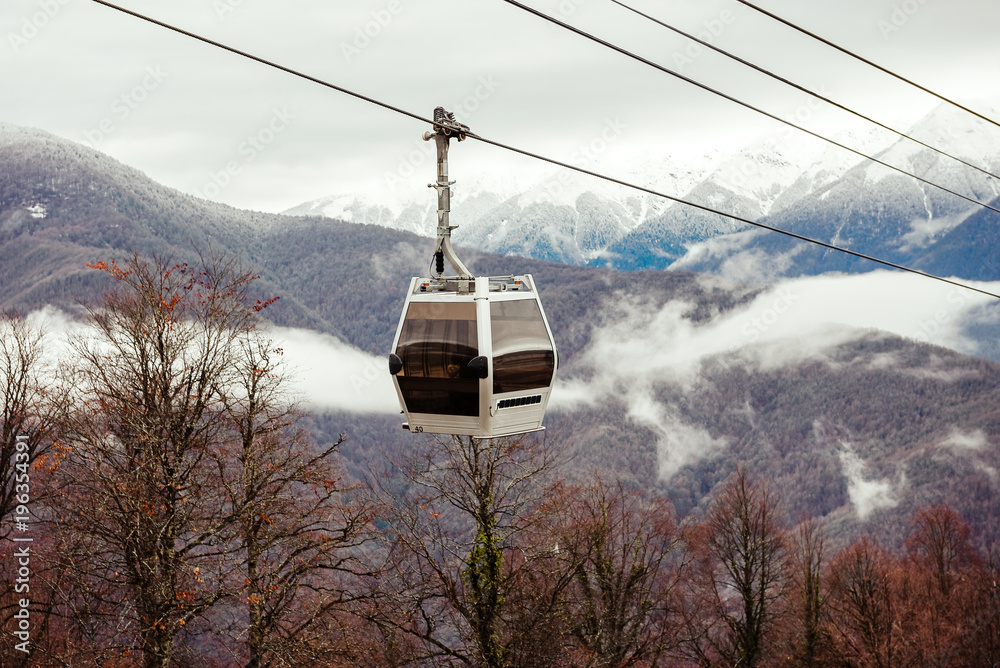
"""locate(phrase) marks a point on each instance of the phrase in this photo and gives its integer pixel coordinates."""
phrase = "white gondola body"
(441, 331)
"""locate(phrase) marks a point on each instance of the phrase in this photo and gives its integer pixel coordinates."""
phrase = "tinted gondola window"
(523, 358)
(436, 343)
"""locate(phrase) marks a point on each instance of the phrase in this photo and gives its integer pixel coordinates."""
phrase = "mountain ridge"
(575, 219)
(661, 413)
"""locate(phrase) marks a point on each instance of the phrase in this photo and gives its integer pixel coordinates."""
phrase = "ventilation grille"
(519, 401)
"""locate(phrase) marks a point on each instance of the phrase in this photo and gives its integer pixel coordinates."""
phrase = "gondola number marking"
(418, 430)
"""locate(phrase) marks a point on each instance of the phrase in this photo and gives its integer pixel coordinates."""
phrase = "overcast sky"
(183, 111)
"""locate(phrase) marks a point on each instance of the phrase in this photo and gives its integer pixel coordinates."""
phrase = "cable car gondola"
(472, 355)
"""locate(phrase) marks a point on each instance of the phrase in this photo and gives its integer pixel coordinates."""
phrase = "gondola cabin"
(473, 357)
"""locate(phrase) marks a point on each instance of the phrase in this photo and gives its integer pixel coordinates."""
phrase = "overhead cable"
(537, 156)
(799, 87)
(747, 105)
(262, 61)
(867, 62)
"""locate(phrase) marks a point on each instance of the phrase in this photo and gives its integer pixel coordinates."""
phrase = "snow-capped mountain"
(786, 176)
(771, 174)
(875, 210)
(562, 215)
(410, 205)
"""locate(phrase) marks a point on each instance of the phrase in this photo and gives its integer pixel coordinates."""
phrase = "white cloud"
(679, 444)
(324, 372)
(959, 440)
(190, 127)
(971, 444)
(866, 495)
(330, 374)
(795, 320)
(644, 347)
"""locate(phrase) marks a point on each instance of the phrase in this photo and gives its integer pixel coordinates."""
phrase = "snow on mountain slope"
(411, 205)
(564, 216)
(765, 176)
(873, 209)
(952, 130)
(574, 218)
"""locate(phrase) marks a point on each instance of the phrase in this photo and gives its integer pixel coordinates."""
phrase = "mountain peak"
(570, 217)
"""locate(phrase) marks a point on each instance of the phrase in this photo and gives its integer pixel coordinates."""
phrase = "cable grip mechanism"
(446, 127)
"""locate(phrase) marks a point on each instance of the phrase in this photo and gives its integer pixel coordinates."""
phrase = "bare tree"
(141, 485)
(618, 605)
(808, 596)
(941, 542)
(297, 523)
(862, 605)
(983, 614)
(25, 412)
(454, 523)
(29, 398)
(738, 575)
(940, 593)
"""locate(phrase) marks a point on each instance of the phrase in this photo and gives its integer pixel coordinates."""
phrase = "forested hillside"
(176, 532)
(894, 406)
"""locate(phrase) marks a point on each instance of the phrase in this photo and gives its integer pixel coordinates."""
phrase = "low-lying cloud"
(793, 321)
(973, 446)
(332, 375)
(796, 320)
(959, 440)
(323, 372)
(867, 496)
(648, 347)
(679, 444)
